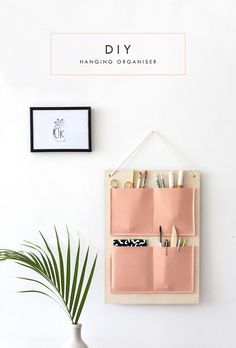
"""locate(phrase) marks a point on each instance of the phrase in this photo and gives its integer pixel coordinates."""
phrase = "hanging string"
(172, 149)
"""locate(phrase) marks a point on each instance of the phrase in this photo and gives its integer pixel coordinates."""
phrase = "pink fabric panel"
(175, 207)
(131, 269)
(131, 211)
(174, 272)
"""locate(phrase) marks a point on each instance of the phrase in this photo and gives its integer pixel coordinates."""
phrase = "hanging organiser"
(138, 269)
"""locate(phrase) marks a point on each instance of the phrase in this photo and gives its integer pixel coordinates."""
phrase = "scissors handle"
(114, 183)
(128, 184)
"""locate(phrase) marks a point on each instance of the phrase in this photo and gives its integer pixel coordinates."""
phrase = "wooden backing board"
(151, 298)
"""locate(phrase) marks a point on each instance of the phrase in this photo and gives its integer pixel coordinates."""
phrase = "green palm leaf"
(35, 291)
(55, 267)
(38, 282)
(85, 292)
(79, 289)
(75, 277)
(68, 261)
(61, 263)
(59, 281)
(38, 262)
(43, 260)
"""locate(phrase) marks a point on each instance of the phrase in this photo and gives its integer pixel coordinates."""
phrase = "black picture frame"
(64, 108)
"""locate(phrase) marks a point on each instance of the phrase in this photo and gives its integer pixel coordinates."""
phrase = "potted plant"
(60, 277)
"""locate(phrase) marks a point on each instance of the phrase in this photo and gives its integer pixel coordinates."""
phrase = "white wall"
(196, 112)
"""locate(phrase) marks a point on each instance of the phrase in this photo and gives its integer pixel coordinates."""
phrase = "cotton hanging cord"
(173, 150)
(136, 149)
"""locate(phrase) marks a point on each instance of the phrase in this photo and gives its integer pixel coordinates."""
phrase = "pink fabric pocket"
(132, 269)
(131, 211)
(174, 272)
(175, 206)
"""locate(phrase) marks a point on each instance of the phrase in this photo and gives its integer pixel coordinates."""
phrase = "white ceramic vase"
(75, 339)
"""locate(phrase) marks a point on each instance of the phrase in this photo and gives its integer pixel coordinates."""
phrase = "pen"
(166, 246)
(174, 237)
(157, 181)
(162, 181)
(132, 178)
(179, 244)
(144, 179)
(138, 185)
(180, 179)
(184, 242)
(171, 179)
(160, 229)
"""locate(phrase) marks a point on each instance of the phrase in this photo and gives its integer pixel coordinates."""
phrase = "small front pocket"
(175, 206)
(132, 269)
(174, 272)
(131, 211)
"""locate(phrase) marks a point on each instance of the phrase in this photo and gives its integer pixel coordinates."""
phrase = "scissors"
(115, 184)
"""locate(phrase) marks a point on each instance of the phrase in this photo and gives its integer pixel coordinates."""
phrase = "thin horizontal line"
(182, 74)
(103, 33)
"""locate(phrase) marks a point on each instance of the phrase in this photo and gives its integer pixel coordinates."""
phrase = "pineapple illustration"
(59, 131)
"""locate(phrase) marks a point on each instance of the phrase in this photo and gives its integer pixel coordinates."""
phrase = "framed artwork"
(60, 129)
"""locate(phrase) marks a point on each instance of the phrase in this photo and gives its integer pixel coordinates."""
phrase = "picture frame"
(60, 129)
